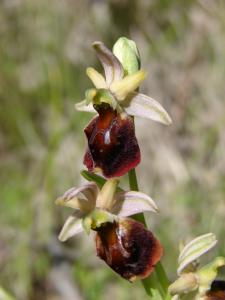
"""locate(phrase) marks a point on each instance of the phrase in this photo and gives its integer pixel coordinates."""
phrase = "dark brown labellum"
(219, 295)
(217, 291)
(112, 144)
(128, 248)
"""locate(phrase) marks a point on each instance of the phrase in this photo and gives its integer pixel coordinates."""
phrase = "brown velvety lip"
(217, 291)
(112, 144)
(128, 248)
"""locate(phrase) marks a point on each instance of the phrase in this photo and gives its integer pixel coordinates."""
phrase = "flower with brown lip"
(124, 244)
(128, 248)
(112, 145)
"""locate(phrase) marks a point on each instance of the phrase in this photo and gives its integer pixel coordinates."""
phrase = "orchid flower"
(193, 279)
(119, 87)
(124, 244)
(112, 145)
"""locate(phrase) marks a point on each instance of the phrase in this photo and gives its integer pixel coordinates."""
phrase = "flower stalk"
(157, 284)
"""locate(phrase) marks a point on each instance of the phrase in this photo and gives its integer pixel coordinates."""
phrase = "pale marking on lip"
(107, 140)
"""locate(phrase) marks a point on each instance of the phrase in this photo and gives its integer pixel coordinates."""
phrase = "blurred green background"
(45, 47)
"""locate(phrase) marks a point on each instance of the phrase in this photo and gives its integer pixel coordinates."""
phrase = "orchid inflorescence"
(100, 205)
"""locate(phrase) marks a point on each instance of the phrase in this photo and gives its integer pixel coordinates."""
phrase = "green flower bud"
(127, 53)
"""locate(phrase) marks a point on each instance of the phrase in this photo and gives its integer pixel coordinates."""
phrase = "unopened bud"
(194, 250)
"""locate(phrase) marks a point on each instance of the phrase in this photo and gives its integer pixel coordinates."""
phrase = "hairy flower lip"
(112, 144)
(218, 295)
(128, 248)
(218, 285)
(217, 291)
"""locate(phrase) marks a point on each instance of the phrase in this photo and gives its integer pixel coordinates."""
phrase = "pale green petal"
(72, 226)
(97, 78)
(83, 106)
(127, 85)
(132, 202)
(140, 105)
(112, 66)
(195, 249)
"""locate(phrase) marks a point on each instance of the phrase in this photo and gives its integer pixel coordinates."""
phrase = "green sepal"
(127, 53)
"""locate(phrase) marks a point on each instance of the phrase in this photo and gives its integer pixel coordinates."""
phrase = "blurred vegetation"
(45, 47)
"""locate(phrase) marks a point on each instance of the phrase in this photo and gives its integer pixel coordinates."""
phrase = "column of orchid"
(101, 205)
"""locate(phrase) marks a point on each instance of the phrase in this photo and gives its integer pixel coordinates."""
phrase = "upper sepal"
(127, 52)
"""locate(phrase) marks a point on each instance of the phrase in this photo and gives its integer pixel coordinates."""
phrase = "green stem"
(157, 284)
(133, 180)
